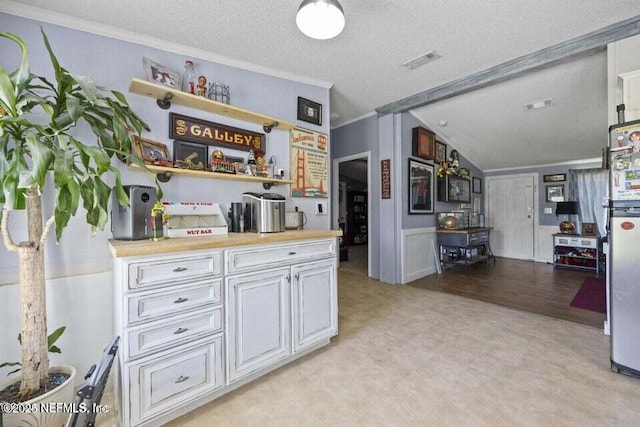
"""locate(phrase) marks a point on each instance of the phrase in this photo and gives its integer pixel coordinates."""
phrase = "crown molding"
(50, 17)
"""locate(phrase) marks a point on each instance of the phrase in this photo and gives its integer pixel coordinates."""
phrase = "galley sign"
(191, 129)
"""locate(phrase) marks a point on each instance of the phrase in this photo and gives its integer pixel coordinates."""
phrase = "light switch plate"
(548, 210)
(321, 208)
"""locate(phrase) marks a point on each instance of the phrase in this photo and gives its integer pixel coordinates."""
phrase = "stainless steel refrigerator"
(624, 247)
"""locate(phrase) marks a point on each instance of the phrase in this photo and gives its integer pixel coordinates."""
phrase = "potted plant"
(38, 143)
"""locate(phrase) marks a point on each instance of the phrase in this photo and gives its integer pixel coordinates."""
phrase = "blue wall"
(547, 219)
(112, 63)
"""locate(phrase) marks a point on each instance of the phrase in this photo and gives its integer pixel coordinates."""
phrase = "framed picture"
(424, 143)
(151, 152)
(477, 185)
(555, 193)
(189, 155)
(157, 73)
(458, 189)
(555, 178)
(421, 185)
(309, 111)
(589, 229)
(441, 152)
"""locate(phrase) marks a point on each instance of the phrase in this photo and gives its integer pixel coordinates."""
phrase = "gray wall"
(112, 63)
(409, 121)
(548, 219)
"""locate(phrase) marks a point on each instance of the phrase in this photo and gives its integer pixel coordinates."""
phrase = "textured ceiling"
(364, 61)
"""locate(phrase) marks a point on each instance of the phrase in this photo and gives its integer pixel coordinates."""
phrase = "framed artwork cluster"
(421, 187)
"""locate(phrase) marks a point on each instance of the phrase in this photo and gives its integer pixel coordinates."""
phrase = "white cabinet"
(267, 310)
(314, 306)
(197, 324)
(575, 251)
(168, 311)
(258, 318)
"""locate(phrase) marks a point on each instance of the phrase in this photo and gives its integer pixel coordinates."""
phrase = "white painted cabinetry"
(289, 297)
(197, 324)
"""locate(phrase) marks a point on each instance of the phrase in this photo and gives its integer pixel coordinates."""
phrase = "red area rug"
(592, 295)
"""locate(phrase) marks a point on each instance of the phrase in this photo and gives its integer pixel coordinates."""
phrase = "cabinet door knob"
(181, 379)
(180, 300)
(179, 269)
(297, 276)
(292, 253)
(180, 331)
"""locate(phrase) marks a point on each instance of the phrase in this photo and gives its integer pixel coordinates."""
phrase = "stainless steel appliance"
(624, 247)
(264, 212)
(134, 222)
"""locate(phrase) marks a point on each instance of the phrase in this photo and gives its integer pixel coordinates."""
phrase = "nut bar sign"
(201, 131)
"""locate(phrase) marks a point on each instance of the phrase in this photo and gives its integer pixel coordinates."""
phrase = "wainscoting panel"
(544, 243)
(417, 258)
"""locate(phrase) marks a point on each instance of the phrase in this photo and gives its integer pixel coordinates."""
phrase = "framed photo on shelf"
(151, 152)
(189, 155)
(555, 193)
(559, 177)
(477, 185)
(309, 111)
(421, 186)
(157, 73)
(424, 143)
(441, 152)
(589, 229)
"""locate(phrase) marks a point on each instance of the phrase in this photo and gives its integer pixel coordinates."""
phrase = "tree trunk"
(35, 358)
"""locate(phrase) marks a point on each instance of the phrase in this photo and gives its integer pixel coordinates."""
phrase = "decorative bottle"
(189, 78)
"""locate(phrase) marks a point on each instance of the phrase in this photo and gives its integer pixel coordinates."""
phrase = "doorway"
(352, 210)
(512, 213)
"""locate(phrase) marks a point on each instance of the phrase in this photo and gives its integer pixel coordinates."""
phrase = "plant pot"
(57, 416)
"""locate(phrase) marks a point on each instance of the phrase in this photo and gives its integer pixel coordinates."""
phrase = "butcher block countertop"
(125, 248)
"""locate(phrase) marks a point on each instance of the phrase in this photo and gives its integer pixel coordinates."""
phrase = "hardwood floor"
(523, 285)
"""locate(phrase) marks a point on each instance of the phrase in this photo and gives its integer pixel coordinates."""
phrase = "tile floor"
(413, 357)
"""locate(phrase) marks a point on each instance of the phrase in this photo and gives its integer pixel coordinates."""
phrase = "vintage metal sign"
(201, 131)
(385, 169)
(308, 160)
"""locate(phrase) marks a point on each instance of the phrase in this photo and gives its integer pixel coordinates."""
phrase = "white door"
(510, 213)
(258, 321)
(314, 303)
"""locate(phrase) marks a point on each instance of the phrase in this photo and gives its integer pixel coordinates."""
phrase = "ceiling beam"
(585, 45)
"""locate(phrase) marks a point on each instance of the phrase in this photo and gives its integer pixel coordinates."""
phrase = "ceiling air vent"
(539, 104)
(420, 60)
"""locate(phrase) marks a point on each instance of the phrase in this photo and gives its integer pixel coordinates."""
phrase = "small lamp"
(568, 209)
(320, 19)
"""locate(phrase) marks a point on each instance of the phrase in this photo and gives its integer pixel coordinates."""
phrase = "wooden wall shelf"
(167, 95)
(162, 170)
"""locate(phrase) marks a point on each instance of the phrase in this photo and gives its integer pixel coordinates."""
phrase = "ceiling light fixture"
(320, 19)
(539, 104)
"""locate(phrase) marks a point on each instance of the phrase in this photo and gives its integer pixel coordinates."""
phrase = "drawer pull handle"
(181, 379)
(179, 269)
(292, 253)
(181, 300)
(180, 331)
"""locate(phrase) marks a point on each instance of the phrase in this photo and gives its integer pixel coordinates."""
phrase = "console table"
(463, 247)
(576, 251)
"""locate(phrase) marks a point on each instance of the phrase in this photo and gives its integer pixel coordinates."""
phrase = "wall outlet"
(321, 208)
(548, 210)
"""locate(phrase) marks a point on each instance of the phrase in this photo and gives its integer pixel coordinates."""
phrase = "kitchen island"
(201, 316)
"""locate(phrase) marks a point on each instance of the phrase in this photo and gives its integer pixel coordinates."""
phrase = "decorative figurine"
(202, 86)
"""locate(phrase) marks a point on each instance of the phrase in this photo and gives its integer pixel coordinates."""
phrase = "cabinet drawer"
(479, 237)
(258, 257)
(161, 271)
(575, 241)
(179, 376)
(152, 305)
(145, 339)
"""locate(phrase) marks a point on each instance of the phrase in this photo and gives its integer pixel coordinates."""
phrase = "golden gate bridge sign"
(309, 161)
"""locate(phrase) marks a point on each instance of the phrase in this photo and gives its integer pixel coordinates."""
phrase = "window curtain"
(590, 188)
